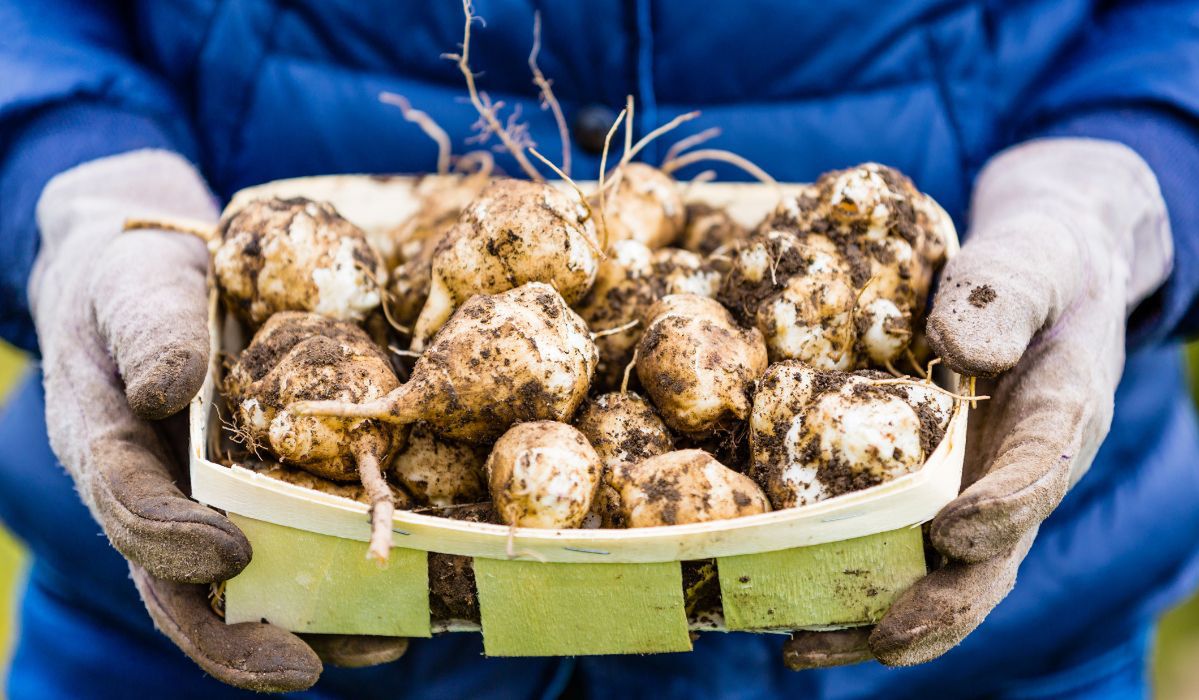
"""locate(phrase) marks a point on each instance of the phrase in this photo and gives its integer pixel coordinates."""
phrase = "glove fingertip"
(168, 384)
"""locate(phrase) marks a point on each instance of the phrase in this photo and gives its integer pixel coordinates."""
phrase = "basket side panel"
(545, 609)
(835, 584)
(305, 582)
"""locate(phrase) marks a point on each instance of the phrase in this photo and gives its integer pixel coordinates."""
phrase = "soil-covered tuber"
(800, 296)
(522, 355)
(817, 434)
(543, 474)
(623, 292)
(685, 486)
(678, 271)
(838, 275)
(438, 471)
(697, 364)
(644, 206)
(299, 356)
(622, 427)
(515, 232)
(296, 255)
(709, 229)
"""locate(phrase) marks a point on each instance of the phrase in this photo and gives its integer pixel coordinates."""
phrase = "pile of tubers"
(536, 355)
(572, 365)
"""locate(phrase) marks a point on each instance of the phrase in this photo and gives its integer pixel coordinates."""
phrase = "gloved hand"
(122, 325)
(1068, 235)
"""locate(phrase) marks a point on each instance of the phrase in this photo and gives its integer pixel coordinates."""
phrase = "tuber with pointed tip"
(685, 486)
(515, 232)
(299, 356)
(697, 364)
(522, 355)
(543, 474)
(817, 434)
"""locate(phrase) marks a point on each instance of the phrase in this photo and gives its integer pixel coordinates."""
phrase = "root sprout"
(426, 124)
(513, 136)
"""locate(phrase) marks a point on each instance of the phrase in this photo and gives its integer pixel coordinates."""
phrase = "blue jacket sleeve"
(1133, 77)
(71, 92)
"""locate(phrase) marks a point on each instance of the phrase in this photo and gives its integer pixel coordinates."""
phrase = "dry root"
(512, 135)
(426, 123)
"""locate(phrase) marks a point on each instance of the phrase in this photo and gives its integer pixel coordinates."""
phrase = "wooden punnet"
(836, 563)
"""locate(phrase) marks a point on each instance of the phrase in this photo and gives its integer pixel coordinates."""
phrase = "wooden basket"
(836, 563)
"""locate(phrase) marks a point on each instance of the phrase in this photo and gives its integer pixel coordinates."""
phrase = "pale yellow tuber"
(515, 232)
(697, 364)
(644, 206)
(686, 486)
(622, 427)
(543, 474)
(298, 356)
(818, 434)
(296, 255)
(613, 309)
(438, 471)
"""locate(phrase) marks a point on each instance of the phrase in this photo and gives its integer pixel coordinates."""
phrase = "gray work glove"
(1068, 235)
(122, 323)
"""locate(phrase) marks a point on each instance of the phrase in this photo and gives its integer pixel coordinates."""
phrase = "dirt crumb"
(981, 295)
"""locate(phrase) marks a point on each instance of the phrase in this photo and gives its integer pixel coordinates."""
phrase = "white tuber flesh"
(543, 474)
(687, 486)
(515, 232)
(697, 364)
(818, 434)
(296, 255)
(522, 355)
(644, 206)
(622, 427)
(299, 356)
(439, 472)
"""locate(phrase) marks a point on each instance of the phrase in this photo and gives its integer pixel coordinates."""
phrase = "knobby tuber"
(644, 205)
(679, 271)
(298, 356)
(438, 471)
(622, 427)
(817, 434)
(708, 229)
(886, 236)
(614, 308)
(685, 486)
(515, 232)
(522, 355)
(296, 255)
(543, 474)
(697, 364)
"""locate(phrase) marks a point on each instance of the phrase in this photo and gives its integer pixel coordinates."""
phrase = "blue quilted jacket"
(264, 89)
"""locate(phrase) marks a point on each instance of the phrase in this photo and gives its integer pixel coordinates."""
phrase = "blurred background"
(1176, 662)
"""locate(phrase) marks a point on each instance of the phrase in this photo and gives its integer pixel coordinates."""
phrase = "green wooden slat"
(839, 583)
(545, 609)
(306, 582)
